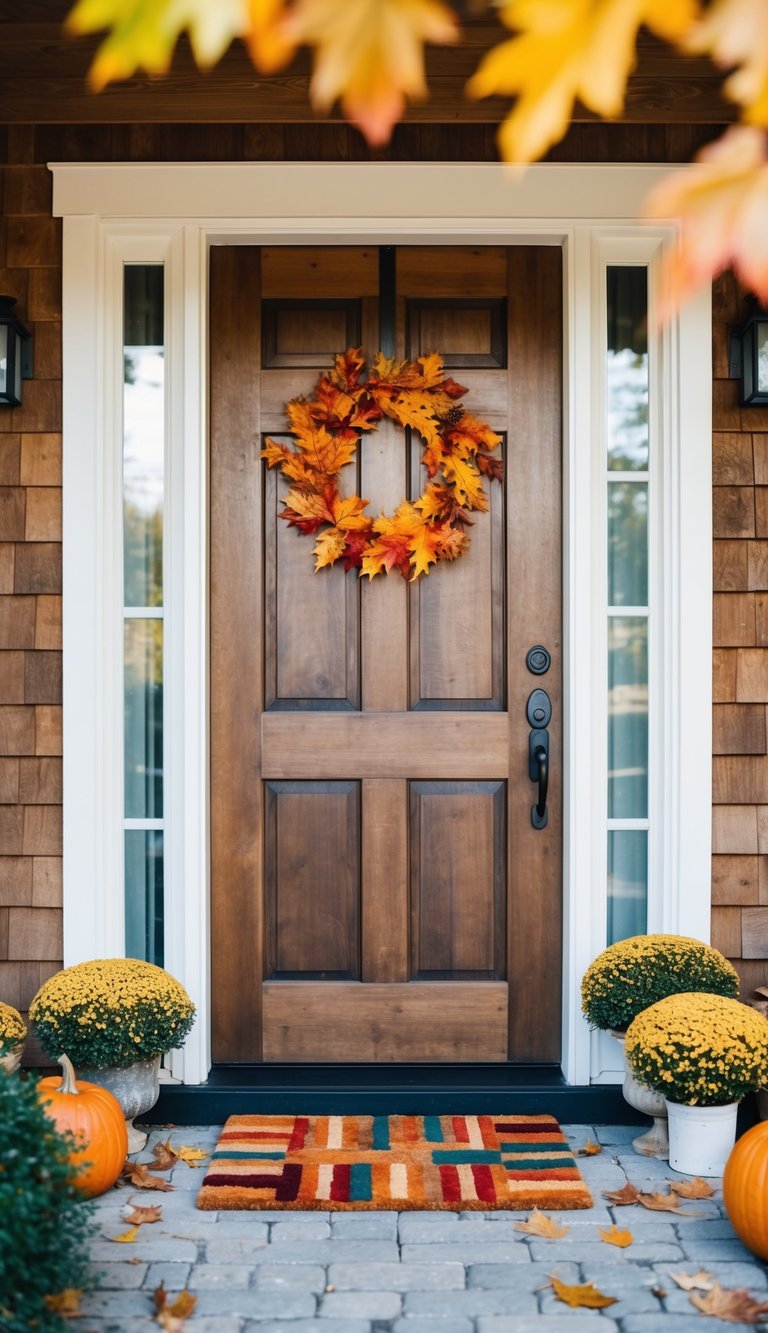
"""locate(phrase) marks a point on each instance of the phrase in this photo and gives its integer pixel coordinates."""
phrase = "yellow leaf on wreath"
(466, 481)
(564, 50)
(614, 1235)
(369, 54)
(328, 547)
(266, 35)
(581, 1297)
(539, 1224)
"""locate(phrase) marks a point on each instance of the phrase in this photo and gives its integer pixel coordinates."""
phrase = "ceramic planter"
(655, 1142)
(701, 1137)
(137, 1088)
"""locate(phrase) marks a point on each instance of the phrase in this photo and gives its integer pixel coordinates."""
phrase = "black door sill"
(326, 1089)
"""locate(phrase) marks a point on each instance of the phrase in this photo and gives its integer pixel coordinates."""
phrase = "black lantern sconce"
(748, 358)
(15, 353)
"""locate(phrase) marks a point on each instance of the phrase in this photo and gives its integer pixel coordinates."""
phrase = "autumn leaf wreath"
(327, 429)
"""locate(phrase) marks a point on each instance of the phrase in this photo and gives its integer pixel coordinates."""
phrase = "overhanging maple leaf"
(735, 34)
(564, 50)
(369, 54)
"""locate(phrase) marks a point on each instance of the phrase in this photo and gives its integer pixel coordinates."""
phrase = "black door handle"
(538, 712)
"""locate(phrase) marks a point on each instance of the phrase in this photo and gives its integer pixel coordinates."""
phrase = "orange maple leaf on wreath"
(327, 429)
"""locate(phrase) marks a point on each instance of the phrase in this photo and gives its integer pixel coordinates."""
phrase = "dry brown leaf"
(539, 1224)
(192, 1156)
(141, 1215)
(692, 1189)
(66, 1303)
(614, 1235)
(138, 1175)
(126, 1237)
(165, 1156)
(585, 1296)
(626, 1195)
(731, 1303)
(172, 1317)
(590, 1149)
(664, 1203)
(701, 1281)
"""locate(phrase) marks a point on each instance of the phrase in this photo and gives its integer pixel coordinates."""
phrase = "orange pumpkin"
(95, 1117)
(745, 1189)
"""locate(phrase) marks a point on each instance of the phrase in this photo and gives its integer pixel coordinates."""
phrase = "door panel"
(378, 890)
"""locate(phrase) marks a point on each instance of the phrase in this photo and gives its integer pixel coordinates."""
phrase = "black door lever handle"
(538, 712)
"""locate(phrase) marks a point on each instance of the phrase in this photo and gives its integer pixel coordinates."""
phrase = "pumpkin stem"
(68, 1077)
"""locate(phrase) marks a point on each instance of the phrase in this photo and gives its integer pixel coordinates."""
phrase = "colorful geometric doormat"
(351, 1162)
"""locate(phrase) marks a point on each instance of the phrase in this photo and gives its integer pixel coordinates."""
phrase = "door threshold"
(338, 1089)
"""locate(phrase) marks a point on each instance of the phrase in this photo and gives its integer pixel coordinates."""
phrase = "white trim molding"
(114, 213)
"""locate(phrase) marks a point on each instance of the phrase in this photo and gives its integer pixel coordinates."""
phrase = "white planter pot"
(655, 1142)
(701, 1137)
(11, 1058)
(137, 1088)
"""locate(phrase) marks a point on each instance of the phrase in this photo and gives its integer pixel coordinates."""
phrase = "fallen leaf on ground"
(701, 1281)
(664, 1203)
(581, 1297)
(590, 1149)
(138, 1174)
(658, 1291)
(692, 1189)
(626, 1195)
(141, 1215)
(66, 1303)
(192, 1156)
(165, 1156)
(616, 1236)
(731, 1303)
(539, 1224)
(172, 1317)
(126, 1237)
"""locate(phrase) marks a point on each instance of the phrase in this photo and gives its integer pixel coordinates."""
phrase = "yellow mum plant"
(699, 1049)
(12, 1027)
(628, 976)
(111, 1013)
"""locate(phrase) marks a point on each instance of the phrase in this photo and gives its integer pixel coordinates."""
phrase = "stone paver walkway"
(387, 1272)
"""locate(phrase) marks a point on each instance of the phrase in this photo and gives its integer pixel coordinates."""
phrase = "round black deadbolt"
(538, 660)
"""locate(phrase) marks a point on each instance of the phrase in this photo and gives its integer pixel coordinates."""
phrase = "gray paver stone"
(290, 1277)
(396, 1277)
(418, 1324)
(257, 1304)
(309, 1326)
(117, 1304)
(669, 1323)
(728, 1274)
(119, 1276)
(357, 1226)
(234, 1249)
(207, 1276)
(284, 1231)
(172, 1276)
(361, 1304)
(625, 1275)
(312, 1252)
(528, 1278)
(232, 1224)
(515, 1252)
(473, 1302)
(586, 1322)
(631, 1300)
(712, 1251)
(154, 1250)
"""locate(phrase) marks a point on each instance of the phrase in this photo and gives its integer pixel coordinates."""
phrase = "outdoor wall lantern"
(15, 353)
(748, 358)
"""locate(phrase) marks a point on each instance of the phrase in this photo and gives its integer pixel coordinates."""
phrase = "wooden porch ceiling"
(42, 81)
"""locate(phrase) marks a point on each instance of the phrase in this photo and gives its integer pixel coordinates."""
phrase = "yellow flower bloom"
(699, 1048)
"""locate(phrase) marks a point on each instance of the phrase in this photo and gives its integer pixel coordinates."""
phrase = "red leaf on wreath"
(354, 549)
(492, 467)
(347, 368)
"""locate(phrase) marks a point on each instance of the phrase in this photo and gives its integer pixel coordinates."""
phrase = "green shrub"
(44, 1222)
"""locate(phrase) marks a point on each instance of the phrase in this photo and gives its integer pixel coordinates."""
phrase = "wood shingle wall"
(30, 522)
(740, 734)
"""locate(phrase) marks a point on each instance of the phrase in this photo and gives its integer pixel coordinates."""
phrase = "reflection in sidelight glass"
(627, 368)
(627, 883)
(627, 717)
(627, 543)
(143, 503)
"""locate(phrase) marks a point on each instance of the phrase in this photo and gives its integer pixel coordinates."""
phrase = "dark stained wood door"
(378, 890)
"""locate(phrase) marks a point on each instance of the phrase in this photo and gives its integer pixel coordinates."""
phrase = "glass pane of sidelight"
(143, 435)
(627, 717)
(627, 368)
(627, 543)
(144, 895)
(627, 883)
(143, 712)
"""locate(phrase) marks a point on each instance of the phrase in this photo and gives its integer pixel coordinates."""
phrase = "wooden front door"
(378, 890)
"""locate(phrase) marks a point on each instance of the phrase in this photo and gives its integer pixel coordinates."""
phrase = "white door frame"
(113, 212)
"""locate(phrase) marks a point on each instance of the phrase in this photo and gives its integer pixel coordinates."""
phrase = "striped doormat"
(351, 1162)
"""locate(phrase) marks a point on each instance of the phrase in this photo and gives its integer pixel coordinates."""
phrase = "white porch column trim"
(189, 207)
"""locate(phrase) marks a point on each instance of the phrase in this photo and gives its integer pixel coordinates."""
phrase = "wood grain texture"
(534, 561)
(432, 1021)
(385, 745)
(385, 880)
(237, 926)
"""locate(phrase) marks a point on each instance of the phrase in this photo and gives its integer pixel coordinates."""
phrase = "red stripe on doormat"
(486, 1190)
(449, 1183)
(340, 1183)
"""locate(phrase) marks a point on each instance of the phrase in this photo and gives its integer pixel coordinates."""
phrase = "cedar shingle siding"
(30, 522)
